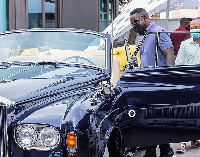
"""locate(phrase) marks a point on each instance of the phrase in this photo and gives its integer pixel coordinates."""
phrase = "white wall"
(188, 13)
(172, 23)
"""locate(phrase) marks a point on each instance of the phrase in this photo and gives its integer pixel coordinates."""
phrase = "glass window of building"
(41, 13)
(106, 13)
(50, 14)
(35, 13)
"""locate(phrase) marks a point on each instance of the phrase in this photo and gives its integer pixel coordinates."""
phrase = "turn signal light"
(71, 140)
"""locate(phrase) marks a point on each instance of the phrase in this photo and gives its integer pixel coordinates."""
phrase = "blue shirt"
(148, 48)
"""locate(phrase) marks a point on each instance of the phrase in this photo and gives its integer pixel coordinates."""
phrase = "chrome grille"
(182, 111)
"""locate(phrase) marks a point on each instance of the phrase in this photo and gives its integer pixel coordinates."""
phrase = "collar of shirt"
(192, 41)
(181, 29)
(152, 24)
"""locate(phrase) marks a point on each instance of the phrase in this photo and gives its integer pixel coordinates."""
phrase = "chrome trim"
(38, 145)
(3, 126)
(132, 113)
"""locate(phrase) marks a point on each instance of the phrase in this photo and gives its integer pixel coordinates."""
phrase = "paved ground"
(190, 152)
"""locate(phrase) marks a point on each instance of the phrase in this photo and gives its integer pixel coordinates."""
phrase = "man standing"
(141, 23)
(188, 54)
(178, 37)
(165, 56)
(190, 48)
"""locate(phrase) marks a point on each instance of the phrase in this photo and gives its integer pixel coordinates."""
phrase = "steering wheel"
(79, 58)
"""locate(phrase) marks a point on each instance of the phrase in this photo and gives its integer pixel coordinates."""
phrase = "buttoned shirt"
(148, 48)
(189, 53)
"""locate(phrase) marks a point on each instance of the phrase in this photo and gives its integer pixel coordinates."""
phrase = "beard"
(139, 29)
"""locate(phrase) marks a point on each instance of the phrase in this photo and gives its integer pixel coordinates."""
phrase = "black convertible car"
(57, 97)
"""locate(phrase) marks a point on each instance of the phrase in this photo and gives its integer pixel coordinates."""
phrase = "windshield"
(54, 45)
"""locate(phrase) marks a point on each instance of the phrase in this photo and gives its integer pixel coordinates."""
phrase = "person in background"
(189, 51)
(188, 54)
(178, 37)
(141, 23)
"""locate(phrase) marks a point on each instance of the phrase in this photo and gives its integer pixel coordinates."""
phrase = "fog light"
(71, 140)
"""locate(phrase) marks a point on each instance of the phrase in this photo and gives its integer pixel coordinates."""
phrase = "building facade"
(86, 14)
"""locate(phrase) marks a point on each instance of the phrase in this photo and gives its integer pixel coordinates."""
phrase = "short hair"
(138, 10)
(184, 20)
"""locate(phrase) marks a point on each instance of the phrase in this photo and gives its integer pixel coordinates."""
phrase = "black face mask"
(139, 29)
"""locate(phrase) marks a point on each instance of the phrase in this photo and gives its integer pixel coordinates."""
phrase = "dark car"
(57, 98)
(52, 83)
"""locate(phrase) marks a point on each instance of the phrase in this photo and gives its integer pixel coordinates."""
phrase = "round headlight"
(26, 136)
(49, 136)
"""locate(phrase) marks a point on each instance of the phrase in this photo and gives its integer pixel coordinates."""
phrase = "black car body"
(57, 98)
(50, 83)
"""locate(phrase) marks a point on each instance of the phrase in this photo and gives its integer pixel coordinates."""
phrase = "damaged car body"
(57, 98)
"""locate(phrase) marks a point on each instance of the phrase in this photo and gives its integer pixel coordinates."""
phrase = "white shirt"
(189, 53)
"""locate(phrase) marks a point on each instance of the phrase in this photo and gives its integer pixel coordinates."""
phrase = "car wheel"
(115, 144)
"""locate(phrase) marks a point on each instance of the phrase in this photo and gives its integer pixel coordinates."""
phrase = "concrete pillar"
(3, 21)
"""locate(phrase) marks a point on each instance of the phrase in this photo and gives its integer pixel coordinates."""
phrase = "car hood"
(16, 89)
(52, 114)
(17, 83)
(35, 96)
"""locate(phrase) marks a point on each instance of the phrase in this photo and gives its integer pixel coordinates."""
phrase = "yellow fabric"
(30, 52)
(120, 54)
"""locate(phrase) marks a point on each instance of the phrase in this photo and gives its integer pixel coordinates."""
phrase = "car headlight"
(26, 136)
(49, 136)
(36, 136)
